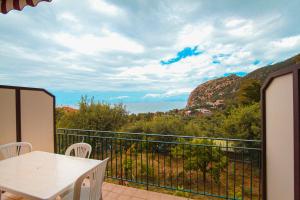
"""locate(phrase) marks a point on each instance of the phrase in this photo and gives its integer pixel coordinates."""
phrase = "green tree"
(127, 166)
(162, 124)
(243, 122)
(203, 155)
(205, 125)
(95, 116)
(59, 113)
(249, 92)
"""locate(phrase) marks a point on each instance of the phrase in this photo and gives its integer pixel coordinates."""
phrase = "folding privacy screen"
(27, 114)
(280, 107)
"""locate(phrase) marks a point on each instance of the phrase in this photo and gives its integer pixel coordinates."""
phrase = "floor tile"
(118, 192)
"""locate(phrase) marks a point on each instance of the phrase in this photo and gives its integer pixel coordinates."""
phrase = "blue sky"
(142, 51)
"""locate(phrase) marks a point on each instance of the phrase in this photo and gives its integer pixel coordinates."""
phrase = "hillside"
(262, 73)
(212, 92)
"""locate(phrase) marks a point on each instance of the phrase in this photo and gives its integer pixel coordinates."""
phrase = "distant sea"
(134, 101)
(145, 107)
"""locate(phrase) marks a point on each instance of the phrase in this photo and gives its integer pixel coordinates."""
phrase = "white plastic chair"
(82, 150)
(14, 149)
(91, 190)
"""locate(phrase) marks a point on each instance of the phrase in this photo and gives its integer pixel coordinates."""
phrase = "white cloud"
(67, 16)
(231, 23)
(120, 97)
(152, 95)
(91, 44)
(179, 91)
(103, 7)
(19, 52)
(80, 68)
(192, 34)
(244, 28)
(287, 42)
(238, 57)
(70, 21)
(169, 93)
(249, 28)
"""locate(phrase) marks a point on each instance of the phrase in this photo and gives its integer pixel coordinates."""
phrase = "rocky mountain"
(209, 92)
(212, 92)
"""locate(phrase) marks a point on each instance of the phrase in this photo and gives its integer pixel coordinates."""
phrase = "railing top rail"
(163, 135)
(168, 142)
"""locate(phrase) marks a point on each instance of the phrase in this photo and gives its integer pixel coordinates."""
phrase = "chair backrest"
(14, 149)
(96, 178)
(82, 150)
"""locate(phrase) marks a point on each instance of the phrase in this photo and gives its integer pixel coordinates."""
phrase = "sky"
(142, 51)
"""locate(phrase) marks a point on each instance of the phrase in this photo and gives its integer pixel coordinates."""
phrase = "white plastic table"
(40, 175)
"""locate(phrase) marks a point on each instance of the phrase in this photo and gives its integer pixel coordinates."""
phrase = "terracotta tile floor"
(117, 192)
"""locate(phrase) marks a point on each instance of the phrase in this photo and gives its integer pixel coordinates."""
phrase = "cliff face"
(225, 88)
(213, 90)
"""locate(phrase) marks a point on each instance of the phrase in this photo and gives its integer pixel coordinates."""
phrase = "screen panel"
(279, 139)
(7, 116)
(37, 119)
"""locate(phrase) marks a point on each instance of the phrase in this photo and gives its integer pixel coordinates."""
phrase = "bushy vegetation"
(203, 156)
(163, 124)
(243, 122)
(93, 115)
(249, 92)
(240, 118)
(237, 121)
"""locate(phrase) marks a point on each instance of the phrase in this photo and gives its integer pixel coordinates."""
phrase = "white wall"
(7, 116)
(279, 139)
(37, 119)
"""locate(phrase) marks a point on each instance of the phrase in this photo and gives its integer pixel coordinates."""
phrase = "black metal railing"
(217, 167)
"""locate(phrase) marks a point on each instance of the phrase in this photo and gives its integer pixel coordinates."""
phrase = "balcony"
(183, 166)
(187, 166)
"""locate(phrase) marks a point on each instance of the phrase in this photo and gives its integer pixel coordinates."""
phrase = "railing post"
(227, 168)
(147, 163)
(121, 162)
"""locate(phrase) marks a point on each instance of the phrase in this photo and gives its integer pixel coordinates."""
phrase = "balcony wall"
(281, 135)
(27, 114)
(280, 157)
